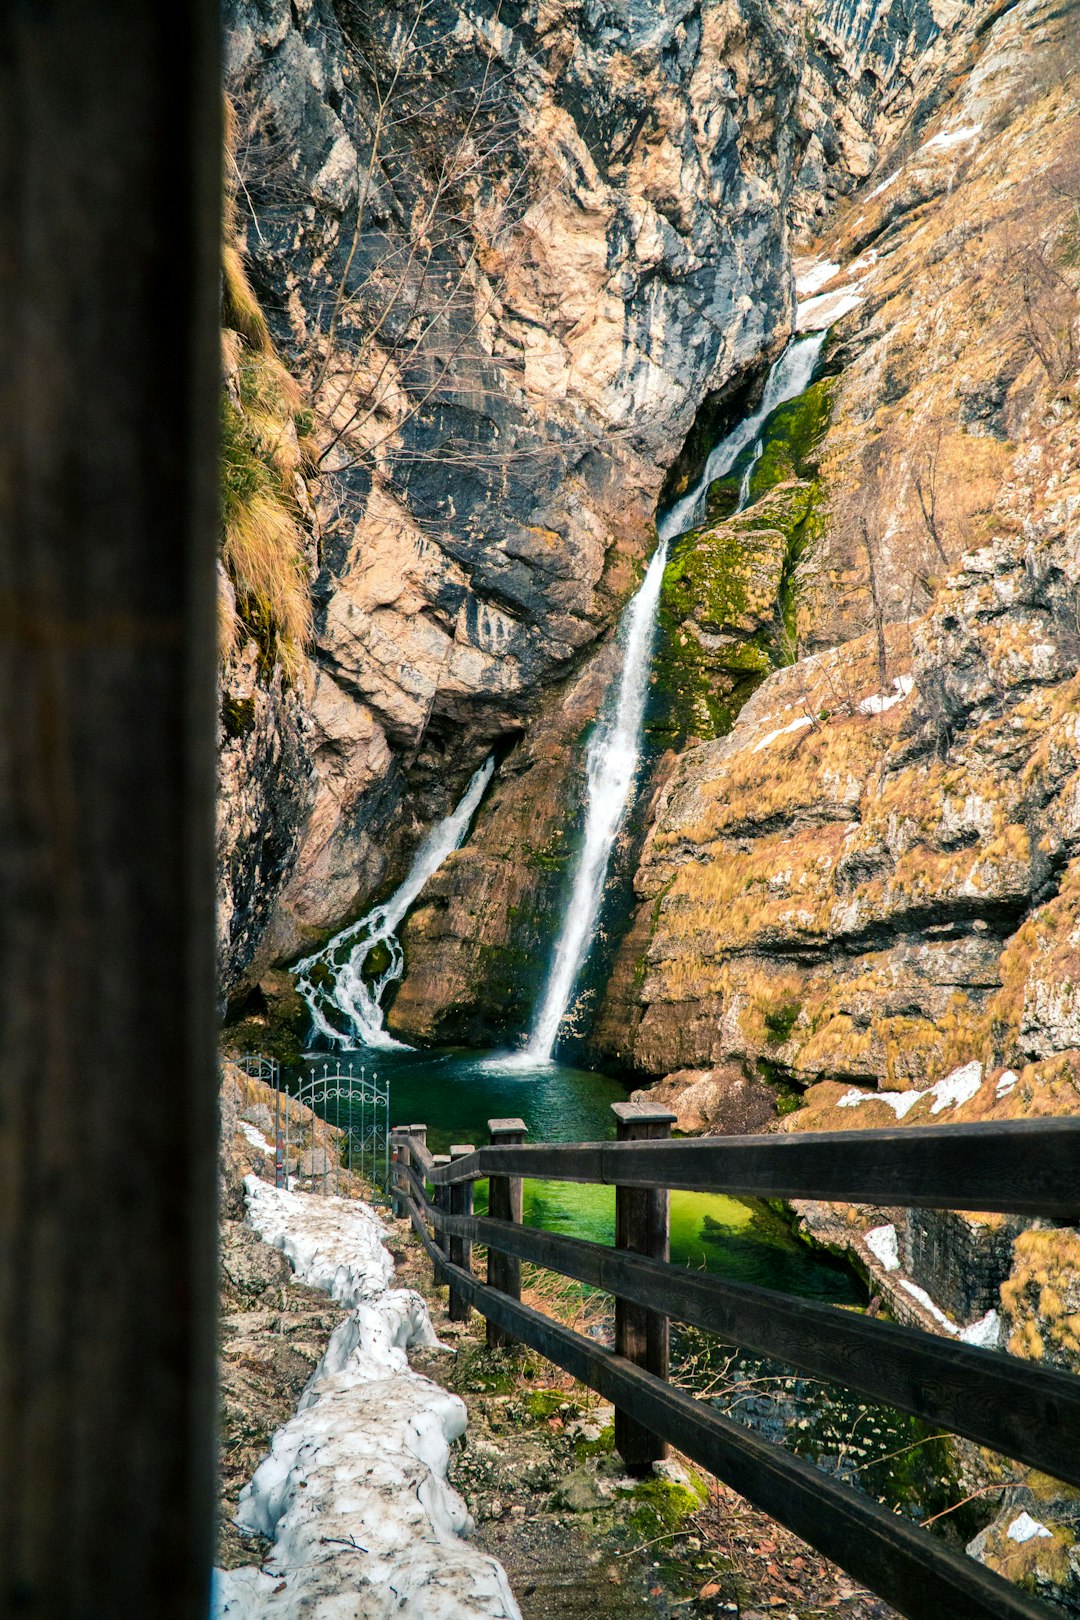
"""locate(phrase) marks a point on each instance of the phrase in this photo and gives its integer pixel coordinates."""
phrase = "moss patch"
(728, 607)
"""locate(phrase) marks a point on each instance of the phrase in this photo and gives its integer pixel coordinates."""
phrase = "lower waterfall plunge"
(614, 755)
(343, 988)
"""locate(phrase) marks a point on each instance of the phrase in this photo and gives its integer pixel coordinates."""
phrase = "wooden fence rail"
(1026, 1412)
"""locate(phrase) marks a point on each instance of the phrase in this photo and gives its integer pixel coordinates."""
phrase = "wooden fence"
(1024, 1411)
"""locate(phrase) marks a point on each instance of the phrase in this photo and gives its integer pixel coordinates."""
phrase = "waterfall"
(614, 752)
(341, 987)
(744, 487)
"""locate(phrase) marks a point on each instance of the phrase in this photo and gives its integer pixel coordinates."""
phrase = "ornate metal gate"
(356, 1103)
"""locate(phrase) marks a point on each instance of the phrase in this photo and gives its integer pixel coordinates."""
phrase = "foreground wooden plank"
(1022, 1410)
(110, 160)
(1025, 1167)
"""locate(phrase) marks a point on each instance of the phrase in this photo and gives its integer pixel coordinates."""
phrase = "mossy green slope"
(727, 609)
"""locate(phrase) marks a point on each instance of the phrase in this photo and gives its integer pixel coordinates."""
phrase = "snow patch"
(818, 314)
(958, 1087)
(814, 277)
(884, 186)
(901, 1102)
(1025, 1528)
(255, 1137)
(880, 702)
(883, 1246)
(985, 1334)
(952, 137)
(1006, 1082)
(928, 1304)
(796, 725)
(354, 1493)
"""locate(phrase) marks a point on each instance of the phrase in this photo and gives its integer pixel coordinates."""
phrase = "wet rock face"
(506, 297)
(265, 792)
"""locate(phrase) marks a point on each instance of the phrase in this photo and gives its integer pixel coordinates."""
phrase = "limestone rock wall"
(873, 886)
(506, 255)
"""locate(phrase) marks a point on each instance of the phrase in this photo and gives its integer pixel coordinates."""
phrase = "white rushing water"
(331, 982)
(614, 754)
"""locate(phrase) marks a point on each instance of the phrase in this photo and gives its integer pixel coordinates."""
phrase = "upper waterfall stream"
(615, 751)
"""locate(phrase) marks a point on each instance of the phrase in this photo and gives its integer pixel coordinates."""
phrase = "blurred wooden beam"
(109, 192)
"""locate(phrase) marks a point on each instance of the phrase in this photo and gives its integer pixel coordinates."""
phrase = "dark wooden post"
(110, 190)
(441, 1199)
(642, 1226)
(461, 1203)
(399, 1158)
(504, 1204)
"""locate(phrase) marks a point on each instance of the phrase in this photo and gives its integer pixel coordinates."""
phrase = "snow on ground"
(255, 1137)
(880, 702)
(890, 180)
(816, 314)
(883, 1246)
(958, 1087)
(354, 1492)
(812, 274)
(782, 731)
(952, 137)
(1025, 1528)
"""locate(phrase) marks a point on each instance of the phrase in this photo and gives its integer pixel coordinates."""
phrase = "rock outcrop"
(871, 882)
(506, 261)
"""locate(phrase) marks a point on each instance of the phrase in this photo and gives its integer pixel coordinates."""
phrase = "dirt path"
(580, 1540)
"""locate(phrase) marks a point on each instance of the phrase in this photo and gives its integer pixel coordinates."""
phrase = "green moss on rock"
(728, 604)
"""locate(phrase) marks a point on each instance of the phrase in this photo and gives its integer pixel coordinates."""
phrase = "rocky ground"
(536, 1465)
(576, 1536)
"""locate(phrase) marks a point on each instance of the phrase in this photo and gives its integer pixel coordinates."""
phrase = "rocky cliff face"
(872, 883)
(506, 254)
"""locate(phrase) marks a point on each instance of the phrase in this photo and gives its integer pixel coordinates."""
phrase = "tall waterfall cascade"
(332, 980)
(615, 750)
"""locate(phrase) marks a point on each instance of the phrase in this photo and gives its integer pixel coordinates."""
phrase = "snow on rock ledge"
(354, 1492)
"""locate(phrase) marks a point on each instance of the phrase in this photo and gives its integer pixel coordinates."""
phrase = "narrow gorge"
(650, 612)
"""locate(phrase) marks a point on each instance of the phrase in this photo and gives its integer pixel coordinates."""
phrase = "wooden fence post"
(504, 1204)
(642, 1227)
(440, 1198)
(461, 1203)
(399, 1157)
(110, 383)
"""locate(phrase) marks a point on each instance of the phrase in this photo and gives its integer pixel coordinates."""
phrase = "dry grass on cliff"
(262, 543)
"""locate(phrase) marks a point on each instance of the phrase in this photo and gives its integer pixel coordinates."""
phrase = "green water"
(455, 1092)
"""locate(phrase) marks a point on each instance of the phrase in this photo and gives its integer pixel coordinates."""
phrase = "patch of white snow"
(1025, 1528)
(985, 1334)
(255, 1137)
(1006, 1082)
(814, 277)
(883, 1246)
(901, 1102)
(879, 702)
(884, 186)
(952, 137)
(958, 1087)
(817, 314)
(796, 725)
(354, 1493)
(928, 1304)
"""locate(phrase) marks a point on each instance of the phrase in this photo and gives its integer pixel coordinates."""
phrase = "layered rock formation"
(506, 259)
(867, 883)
